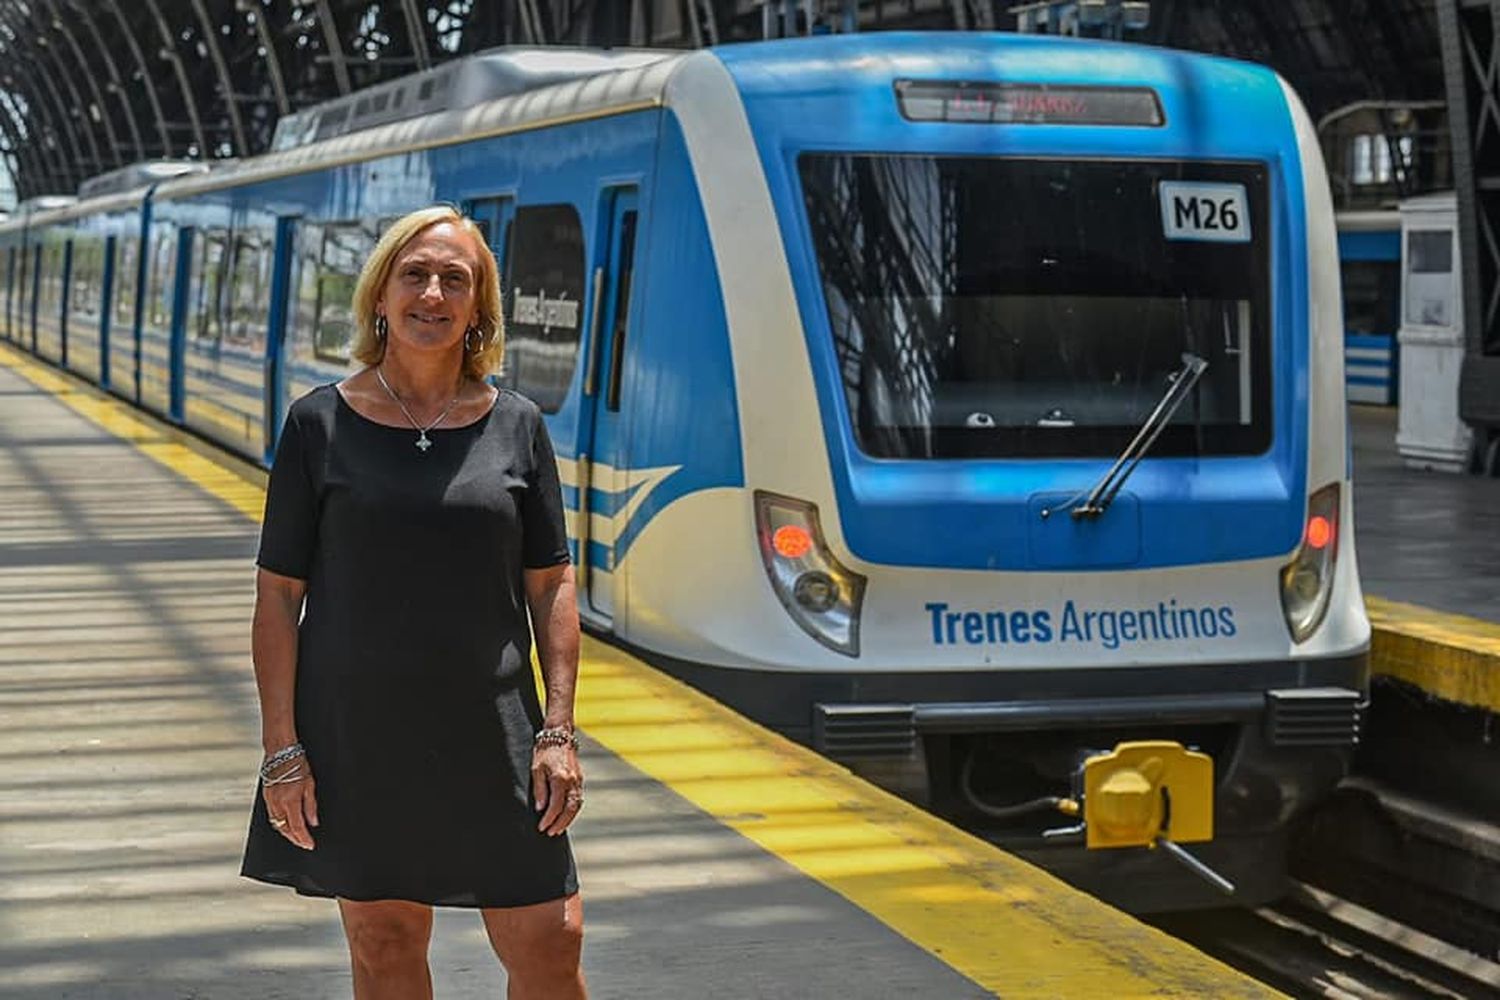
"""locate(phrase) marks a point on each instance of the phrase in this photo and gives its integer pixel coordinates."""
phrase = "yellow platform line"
(1000, 921)
(241, 488)
(1452, 657)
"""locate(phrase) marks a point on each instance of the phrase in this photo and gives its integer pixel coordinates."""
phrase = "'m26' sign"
(1216, 213)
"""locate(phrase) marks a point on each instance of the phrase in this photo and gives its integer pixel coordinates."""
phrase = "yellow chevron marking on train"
(1005, 924)
(1452, 657)
(603, 528)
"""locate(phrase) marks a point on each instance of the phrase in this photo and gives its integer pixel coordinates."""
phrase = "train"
(1370, 264)
(966, 406)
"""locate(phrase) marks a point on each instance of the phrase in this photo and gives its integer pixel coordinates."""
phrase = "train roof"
(612, 92)
(138, 175)
(461, 83)
(76, 209)
(511, 90)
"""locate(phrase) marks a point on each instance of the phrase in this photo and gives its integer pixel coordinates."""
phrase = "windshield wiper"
(1104, 492)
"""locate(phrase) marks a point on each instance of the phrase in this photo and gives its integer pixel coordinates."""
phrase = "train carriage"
(967, 406)
(1370, 263)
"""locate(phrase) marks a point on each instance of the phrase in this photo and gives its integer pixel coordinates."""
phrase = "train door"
(34, 292)
(177, 344)
(125, 321)
(64, 294)
(284, 249)
(604, 487)
(106, 302)
(493, 216)
(10, 290)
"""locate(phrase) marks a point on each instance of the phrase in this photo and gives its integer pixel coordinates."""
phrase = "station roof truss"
(90, 86)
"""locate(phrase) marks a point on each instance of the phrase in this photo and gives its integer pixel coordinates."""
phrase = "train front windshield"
(989, 307)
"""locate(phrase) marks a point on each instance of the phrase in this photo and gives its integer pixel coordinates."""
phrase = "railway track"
(1316, 944)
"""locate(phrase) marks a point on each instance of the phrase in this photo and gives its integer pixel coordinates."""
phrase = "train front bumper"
(1277, 749)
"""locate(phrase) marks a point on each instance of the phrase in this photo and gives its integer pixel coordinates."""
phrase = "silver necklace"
(423, 441)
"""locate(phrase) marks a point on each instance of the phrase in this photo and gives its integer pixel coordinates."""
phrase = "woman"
(413, 519)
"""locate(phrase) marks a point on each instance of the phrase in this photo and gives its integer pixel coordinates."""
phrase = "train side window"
(206, 284)
(86, 284)
(160, 279)
(621, 318)
(308, 252)
(81, 280)
(544, 294)
(50, 296)
(126, 276)
(346, 247)
(493, 216)
(10, 289)
(23, 292)
(249, 289)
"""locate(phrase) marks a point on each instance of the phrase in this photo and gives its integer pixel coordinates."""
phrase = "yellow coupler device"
(1144, 790)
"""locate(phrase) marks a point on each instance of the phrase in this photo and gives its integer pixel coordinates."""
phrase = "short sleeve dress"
(415, 696)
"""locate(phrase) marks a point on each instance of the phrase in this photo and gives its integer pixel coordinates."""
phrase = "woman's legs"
(540, 947)
(388, 948)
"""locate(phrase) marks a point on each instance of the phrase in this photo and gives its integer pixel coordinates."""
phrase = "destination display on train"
(1026, 103)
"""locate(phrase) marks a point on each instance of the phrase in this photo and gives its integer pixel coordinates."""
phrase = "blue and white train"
(963, 405)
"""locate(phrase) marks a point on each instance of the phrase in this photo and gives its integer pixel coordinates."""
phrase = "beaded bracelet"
(280, 757)
(555, 737)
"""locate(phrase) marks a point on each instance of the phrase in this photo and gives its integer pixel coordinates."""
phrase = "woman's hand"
(556, 786)
(291, 801)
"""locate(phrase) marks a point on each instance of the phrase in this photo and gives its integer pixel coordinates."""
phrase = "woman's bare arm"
(552, 597)
(273, 646)
(556, 780)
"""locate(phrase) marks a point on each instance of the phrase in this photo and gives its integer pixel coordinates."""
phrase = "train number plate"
(1217, 213)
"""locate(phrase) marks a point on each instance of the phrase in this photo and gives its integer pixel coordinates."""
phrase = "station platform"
(717, 859)
(1429, 560)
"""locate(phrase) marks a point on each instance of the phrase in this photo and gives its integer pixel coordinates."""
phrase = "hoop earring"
(382, 327)
(469, 347)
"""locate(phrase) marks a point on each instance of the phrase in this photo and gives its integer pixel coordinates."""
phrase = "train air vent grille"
(1313, 717)
(849, 731)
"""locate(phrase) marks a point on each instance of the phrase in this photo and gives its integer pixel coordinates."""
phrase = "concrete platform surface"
(1424, 538)
(717, 859)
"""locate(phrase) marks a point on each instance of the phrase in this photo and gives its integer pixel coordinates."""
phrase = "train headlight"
(816, 591)
(1307, 581)
(822, 595)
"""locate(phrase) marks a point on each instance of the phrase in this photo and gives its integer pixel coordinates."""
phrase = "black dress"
(415, 696)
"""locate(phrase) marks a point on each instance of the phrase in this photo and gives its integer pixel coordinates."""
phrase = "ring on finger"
(278, 822)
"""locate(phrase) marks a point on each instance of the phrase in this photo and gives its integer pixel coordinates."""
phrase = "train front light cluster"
(1307, 581)
(822, 595)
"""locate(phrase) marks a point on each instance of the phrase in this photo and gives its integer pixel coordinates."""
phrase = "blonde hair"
(488, 347)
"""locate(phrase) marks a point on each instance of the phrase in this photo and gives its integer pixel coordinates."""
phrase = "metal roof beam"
(147, 80)
(335, 46)
(48, 162)
(86, 126)
(60, 25)
(62, 126)
(226, 85)
(256, 15)
(114, 85)
(169, 52)
(416, 34)
(40, 46)
(26, 155)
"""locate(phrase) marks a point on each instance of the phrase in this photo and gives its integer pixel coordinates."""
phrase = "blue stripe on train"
(1370, 366)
